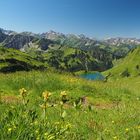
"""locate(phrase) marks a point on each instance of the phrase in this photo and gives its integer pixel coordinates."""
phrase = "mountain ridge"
(50, 34)
(68, 52)
(119, 47)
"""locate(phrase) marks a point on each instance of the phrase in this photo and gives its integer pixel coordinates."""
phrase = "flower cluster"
(45, 105)
(63, 93)
(46, 95)
(23, 92)
(63, 96)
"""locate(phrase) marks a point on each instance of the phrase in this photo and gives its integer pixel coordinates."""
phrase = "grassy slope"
(130, 62)
(115, 114)
(12, 57)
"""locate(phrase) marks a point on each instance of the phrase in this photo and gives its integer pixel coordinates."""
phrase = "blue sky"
(94, 18)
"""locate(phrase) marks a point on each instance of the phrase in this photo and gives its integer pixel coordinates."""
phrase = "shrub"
(125, 73)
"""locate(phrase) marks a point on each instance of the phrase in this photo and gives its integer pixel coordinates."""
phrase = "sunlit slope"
(129, 66)
(14, 60)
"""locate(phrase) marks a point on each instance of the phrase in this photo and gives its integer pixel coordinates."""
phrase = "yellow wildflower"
(36, 131)
(36, 122)
(37, 138)
(31, 124)
(115, 137)
(126, 129)
(23, 92)
(72, 80)
(68, 126)
(64, 97)
(51, 137)
(12, 107)
(57, 123)
(14, 127)
(46, 134)
(9, 129)
(63, 93)
(43, 106)
(106, 130)
(46, 95)
(113, 122)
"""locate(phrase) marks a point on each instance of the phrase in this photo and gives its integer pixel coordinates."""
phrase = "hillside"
(128, 66)
(66, 52)
(12, 60)
(73, 59)
(90, 110)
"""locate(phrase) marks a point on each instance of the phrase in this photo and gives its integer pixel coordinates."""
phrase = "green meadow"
(59, 106)
(79, 84)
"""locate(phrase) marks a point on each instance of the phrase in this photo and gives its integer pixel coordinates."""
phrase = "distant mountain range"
(10, 39)
(67, 51)
(119, 41)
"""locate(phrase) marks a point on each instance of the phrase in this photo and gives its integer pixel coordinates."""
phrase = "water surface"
(92, 76)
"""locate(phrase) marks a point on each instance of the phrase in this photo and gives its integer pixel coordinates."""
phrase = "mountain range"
(80, 41)
(65, 51)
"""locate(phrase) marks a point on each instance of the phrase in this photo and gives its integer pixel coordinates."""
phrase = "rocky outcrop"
(17, 41)
(2, 36)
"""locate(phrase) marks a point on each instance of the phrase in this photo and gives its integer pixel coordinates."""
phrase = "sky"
(94, 18)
